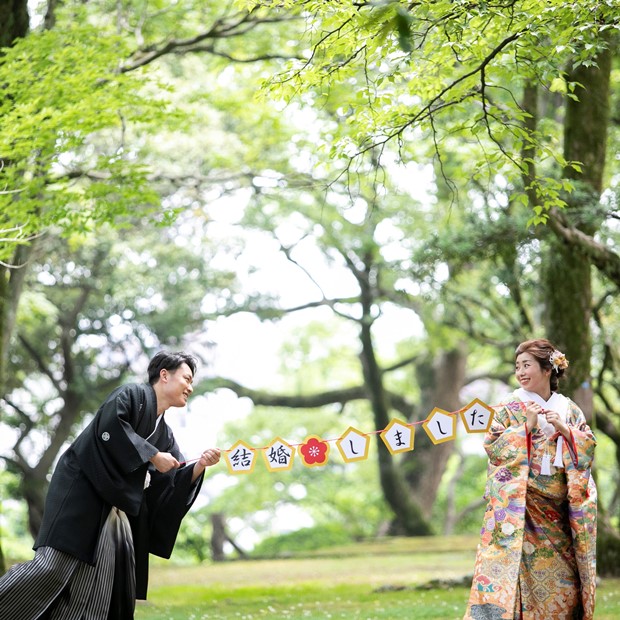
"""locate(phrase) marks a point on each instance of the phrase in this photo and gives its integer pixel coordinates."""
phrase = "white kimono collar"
(558, 403)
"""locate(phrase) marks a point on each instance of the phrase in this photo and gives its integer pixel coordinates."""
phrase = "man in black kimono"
(118, 493)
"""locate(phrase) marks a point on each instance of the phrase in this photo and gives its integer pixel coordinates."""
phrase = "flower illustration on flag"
(314, 451)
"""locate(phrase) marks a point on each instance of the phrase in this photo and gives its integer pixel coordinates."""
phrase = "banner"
(353, 445)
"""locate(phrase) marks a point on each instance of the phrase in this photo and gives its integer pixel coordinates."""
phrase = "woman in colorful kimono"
(537, 554)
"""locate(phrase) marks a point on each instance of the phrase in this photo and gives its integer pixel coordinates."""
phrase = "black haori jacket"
(106, 466)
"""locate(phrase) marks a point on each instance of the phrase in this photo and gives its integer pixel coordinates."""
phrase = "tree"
(94, 307)
(15, 24)
(347, 497)
(65, 162)
(76, 97)
(324, 239)
(444, 69)
(476, 90)
(448, 69)
(72, 92)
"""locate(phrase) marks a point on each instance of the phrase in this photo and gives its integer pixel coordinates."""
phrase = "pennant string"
(520, 404)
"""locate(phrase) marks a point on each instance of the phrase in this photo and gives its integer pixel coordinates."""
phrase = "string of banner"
(353, 444)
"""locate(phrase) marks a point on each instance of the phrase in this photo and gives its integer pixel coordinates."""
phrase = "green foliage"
(469, 488)
(91, 304)
(337, 495)
(304, 539)
(85, 139)
(192, 543)
(446, 72)
(66, 160)
(14, 536)
(319, 357)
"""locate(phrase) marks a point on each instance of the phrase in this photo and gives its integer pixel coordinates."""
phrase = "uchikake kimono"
(537, 553)
(108, 466)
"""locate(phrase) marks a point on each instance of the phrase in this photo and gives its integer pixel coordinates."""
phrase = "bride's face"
(531, 376)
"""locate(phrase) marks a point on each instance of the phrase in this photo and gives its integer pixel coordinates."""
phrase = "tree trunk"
(11, 286)
(34, 489)
(408, 517)
(14, 24)
(33, 480)
(607, 550)
(441, 383)
(568, 287)
(14, 21)
(219, 536)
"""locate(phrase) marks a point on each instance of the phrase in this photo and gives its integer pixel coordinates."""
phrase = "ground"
(413, 578)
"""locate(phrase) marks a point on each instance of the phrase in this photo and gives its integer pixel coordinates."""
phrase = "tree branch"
(41, 365)
(437, 102)
(301, 401)
(604, 423)
(603, 258)
(223, 28)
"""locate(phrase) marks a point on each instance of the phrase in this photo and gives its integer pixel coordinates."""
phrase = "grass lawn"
(368, 581)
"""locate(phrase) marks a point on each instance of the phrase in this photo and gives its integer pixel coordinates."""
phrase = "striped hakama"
(57, 586)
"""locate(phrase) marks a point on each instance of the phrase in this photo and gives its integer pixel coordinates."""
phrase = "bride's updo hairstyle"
(547, 356)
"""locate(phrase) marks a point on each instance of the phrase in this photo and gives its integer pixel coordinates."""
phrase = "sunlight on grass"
(368, 581)
(309, 602)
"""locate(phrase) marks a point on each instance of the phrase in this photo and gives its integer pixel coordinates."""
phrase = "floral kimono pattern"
(537, 553)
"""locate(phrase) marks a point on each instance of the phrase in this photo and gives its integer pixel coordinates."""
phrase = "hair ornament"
(558, 360)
